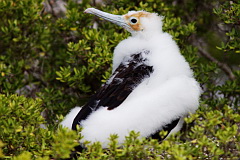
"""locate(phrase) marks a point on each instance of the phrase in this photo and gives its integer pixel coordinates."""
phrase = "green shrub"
(20, 121)
(24, 129)
(50, 64)
(214, 135)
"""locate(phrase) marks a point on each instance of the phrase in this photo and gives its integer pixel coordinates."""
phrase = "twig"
(199, 43)
(221, 65)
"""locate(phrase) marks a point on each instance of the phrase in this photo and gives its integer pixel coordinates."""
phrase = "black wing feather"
(169, 127)
(126, 77)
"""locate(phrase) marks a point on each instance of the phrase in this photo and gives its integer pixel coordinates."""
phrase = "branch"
(199, 43)
(221, 65)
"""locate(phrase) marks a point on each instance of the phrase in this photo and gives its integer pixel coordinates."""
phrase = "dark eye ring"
(133, 20)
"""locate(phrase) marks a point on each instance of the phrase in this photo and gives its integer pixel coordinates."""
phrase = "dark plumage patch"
(169, 127)
(129, 74)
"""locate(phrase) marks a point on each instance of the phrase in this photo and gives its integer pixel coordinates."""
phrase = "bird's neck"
(146, 35)
(128, 47)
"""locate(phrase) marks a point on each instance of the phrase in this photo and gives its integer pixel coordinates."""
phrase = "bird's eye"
(133, 20)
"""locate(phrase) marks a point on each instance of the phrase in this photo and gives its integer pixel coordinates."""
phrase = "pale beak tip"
(88, 10)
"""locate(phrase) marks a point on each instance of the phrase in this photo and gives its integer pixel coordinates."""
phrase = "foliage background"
(53, 57)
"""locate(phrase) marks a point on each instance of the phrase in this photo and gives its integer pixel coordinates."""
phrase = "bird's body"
(151, 87)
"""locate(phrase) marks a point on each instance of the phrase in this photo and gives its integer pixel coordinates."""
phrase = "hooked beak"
(116, 19)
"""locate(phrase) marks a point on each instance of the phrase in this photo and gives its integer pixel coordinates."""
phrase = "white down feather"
(170, 92)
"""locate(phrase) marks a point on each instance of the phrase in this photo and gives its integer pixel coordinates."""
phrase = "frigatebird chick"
(151, 88)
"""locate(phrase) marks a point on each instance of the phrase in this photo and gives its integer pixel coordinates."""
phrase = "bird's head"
(136, 22)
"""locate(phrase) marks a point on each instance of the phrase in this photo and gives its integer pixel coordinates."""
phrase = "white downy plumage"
(168, 93)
